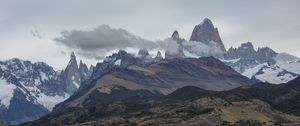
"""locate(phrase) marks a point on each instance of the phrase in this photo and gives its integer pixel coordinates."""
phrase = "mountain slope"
(248, 105)
(161, 77)
(284, 97)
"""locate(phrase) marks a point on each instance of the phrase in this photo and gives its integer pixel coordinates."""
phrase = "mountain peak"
(205, 32)
(158, 56)
(143, 52)
(73, 55)
(72, 75)
(207, 21)
(175, 35)
(72, 59)
(248, 45)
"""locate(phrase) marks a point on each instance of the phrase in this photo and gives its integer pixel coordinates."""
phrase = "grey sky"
(273, 23)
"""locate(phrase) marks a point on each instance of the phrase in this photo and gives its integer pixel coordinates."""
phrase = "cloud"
(94, 43)
(201, 49)
(99, 42)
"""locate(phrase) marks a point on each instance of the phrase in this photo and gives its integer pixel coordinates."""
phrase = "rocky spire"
(175, 52)
(246, 50)
(72, 75)
(73, 60)
(84, 71)
(158, 56)
(175, 35)
(266, 54)
(143, 52)
(205, 32)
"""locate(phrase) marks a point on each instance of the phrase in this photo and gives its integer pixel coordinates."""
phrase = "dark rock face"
(158, 56)
(72, 75)
(266, 55)
(84, 72)
(247, 51)
(206, 32)
(175, 35)
(125, 59)
(143, 52)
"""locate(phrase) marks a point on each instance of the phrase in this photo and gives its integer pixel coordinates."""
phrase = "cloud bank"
(97, 42)
(94, 43)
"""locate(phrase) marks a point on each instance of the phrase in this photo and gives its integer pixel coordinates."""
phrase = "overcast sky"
(28, 27)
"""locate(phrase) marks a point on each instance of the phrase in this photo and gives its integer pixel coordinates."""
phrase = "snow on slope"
(288, 62)
(270, 73)
(6, 93)
(274, 75)
(286, 68)
(50, 101)
(118, 62)
(252, 71)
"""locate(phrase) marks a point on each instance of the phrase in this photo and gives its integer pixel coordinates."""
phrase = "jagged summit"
(175, 35)
(247, 51)
(72, 76)
(143, 52)
(176, 52)
(84, 71)
(72, 60)
(206, 21)
(158, 56)
(247, 45)
(205, 32)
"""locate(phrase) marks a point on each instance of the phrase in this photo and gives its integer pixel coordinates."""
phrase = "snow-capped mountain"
(288, 62)
(269, 65)
(264, 64)
(31, 90)
(31, 87)
(270, 73)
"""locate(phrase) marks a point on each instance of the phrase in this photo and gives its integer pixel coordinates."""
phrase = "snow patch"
(118, 62)
(3, 67)
(50, 101)
(6, 93)
(43, 76)
(252, 71)
(74, 82)
(290, 66)
(269, 73)
(230, 61)
(288, 62)
(273, 76)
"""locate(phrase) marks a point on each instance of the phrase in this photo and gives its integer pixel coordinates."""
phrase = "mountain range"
(31, 90)
(126, 88)
(263, 64)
